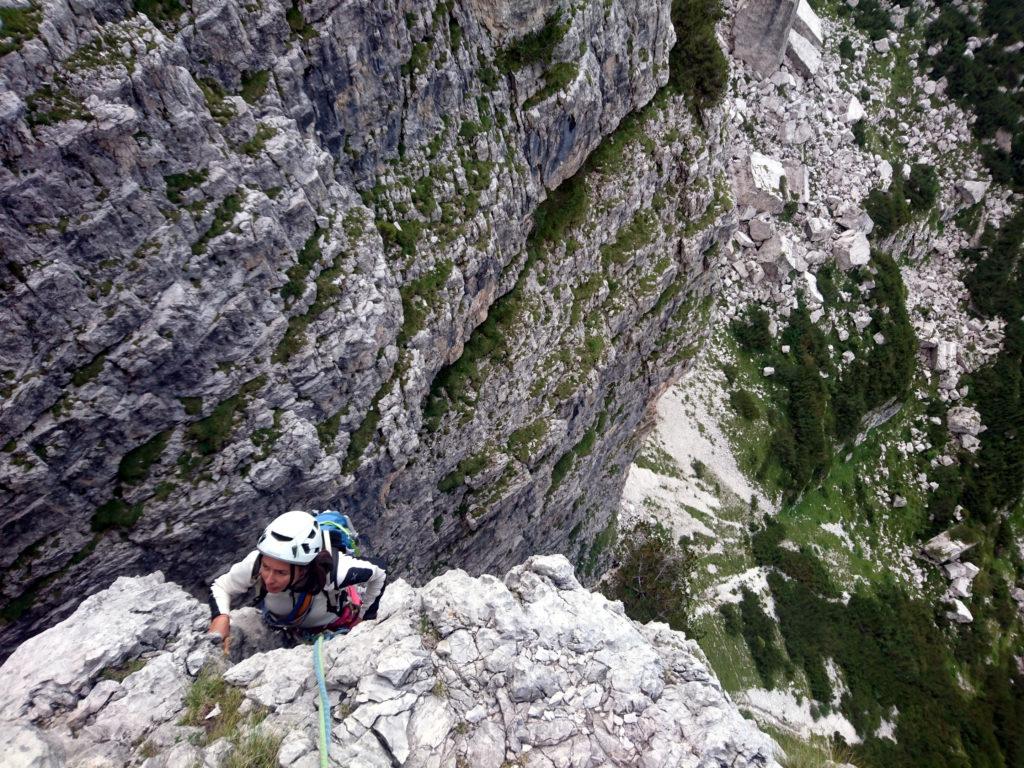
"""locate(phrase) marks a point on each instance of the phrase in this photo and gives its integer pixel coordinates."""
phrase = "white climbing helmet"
(293, 537)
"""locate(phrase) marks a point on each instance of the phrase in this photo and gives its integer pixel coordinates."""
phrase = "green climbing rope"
(325, 704)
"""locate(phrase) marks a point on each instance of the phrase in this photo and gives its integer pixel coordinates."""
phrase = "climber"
(307, 586)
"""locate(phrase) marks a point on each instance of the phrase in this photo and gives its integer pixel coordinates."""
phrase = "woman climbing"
(307, 580)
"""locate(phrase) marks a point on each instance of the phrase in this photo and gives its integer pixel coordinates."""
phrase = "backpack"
(339, 532)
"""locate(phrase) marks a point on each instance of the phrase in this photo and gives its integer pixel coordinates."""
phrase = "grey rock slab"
(757, 182)
(152, 696)
(972, 191)
(960, 613)
(808, 24)
(804, 56)
(759, 33)
(964, 420)
(761, 229)
(108, 629)
(28, 747)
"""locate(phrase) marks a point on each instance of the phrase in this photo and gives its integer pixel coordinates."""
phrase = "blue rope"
(325, 705)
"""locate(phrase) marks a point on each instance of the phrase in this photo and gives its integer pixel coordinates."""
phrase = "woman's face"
(276, 574)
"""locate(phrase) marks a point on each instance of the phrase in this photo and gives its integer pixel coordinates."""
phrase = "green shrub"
(363, 435)
(922, 187)
(653, 577)
(177, 183)
(888, 210)
(254, 85)
(223, 216)
(555, 79)
(307, 258)
(254, 749)
(221, 110)
(84, 375)
(987, 83)
(758, 632)
(846, 51)
(18, 25)
(418, 59)
(523, 442)
(745, 404)
(751, 331)
(419, 297)
(163, 13)
(468, 467)
(254, 146)
(115, 514)
(534, 47)
(697, 66)
(134, 466)
(54, 103)
(869, 17)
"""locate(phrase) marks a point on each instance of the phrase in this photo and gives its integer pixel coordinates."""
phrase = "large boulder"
(944, 548)
(805, 58)
(851, 250)
(964, 420)
(758, 182)
(807, 24)
(972, 191)
(760, 33)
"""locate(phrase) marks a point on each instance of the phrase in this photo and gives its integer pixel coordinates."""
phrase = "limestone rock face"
(276, 255)
(477, 671)
(133, 616)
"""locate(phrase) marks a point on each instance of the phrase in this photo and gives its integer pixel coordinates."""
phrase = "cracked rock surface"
(532, 669)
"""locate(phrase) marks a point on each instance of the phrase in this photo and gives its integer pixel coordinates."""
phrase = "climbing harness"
(325, 704)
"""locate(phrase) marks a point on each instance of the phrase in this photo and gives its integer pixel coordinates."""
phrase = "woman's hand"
(221, 626)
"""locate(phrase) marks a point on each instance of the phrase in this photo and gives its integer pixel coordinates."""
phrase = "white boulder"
(803, 55)
(964, 420)
(851, 250)
(972, 191)
(944, 548)
(959, 614)
(807, 23)
(757, 182)
(854, 110)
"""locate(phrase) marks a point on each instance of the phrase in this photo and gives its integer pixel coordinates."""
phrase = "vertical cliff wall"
(427, 262)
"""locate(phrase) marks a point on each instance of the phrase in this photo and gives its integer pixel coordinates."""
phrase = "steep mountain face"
(429, 263)
(532, 670)
(842, 462)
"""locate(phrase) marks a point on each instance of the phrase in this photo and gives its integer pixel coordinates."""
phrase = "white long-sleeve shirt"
(349, 571)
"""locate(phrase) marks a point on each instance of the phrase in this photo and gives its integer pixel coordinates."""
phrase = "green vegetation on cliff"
(697, 66)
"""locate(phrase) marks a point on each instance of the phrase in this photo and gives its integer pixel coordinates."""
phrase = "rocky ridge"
(531, 670)
(251, 251)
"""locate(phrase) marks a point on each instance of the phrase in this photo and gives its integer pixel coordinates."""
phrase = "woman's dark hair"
(315, 577)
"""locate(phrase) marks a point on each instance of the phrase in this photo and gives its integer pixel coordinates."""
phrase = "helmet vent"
(280, 537)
